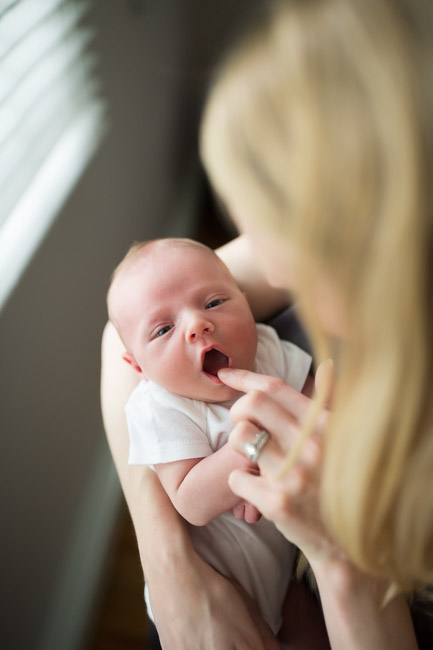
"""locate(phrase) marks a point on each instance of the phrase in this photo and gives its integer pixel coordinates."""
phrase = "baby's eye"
(214, 303)
(164, 330)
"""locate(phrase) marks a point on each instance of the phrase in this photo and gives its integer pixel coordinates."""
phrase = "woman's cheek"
(276, 260)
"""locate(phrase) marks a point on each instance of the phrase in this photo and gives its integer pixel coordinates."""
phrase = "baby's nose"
(198, 327)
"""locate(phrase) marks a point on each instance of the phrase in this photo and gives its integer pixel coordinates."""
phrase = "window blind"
(52, 118)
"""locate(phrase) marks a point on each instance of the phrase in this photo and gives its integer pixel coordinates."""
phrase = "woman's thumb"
(325, 381)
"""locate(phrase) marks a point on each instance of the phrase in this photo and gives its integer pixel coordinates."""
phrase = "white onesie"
(165, 427)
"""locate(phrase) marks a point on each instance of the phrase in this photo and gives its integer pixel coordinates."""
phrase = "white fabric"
(164, 427)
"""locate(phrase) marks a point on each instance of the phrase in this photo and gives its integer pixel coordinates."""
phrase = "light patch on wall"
(28, 222)
(52, 118)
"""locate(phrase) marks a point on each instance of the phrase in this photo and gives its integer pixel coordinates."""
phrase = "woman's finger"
(265, 413)
(325, 380)
(276, 448)
(274, 503)
(245, 432)
(246, 381)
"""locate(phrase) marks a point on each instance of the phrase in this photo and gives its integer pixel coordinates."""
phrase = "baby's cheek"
(248, 344)
(170, 373)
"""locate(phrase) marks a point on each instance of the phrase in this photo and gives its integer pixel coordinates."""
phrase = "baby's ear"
(129, 358)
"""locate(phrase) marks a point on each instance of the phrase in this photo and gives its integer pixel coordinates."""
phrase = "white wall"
(58, 490)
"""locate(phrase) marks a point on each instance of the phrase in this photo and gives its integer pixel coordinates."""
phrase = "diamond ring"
(253, 449)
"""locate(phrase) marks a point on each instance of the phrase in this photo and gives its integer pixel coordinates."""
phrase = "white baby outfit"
(165, 427)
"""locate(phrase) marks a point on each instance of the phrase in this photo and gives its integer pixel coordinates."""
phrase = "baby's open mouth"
(213, 361)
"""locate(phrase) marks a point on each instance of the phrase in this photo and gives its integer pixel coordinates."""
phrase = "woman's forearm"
(354, 615)
(265, 301)
(146, 499)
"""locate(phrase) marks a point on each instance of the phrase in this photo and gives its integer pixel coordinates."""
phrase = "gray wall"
(59, 493)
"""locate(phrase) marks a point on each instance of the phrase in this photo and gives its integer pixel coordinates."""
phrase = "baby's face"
(183, 318)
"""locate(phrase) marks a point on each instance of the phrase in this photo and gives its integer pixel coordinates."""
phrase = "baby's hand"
(247, 512)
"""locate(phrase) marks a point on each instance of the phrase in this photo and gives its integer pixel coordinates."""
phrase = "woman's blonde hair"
(320, 126)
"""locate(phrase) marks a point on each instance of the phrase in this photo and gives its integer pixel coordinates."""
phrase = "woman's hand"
(290, 501)
(196, 607)
(352, 601)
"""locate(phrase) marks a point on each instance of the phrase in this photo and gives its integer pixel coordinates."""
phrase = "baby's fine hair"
(138, 250)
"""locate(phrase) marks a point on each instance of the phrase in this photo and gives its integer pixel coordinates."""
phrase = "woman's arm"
(351, 600)
(265, 301)
(193, 605)
(139, 484)
(353, 610)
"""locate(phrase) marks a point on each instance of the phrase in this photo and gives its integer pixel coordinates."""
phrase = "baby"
(182, 317)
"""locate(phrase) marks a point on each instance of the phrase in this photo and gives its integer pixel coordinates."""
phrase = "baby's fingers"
(252, 514)
(238, 511)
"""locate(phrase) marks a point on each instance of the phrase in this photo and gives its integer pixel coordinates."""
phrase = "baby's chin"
(213, 394)
(224, 395)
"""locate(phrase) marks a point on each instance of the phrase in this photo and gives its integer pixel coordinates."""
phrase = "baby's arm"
(198, 487)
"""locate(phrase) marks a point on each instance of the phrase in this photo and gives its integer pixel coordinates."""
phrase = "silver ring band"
(253, 449)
